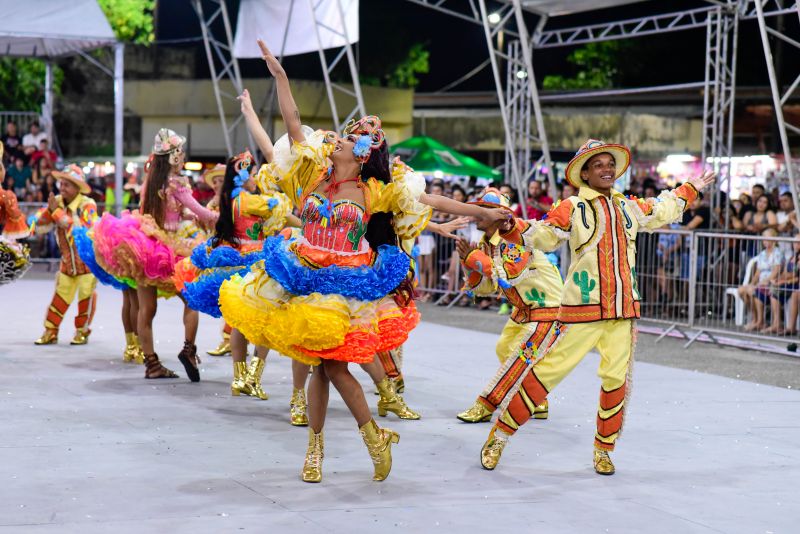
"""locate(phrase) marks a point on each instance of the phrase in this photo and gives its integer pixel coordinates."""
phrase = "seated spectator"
(567, 190)
(31, 141)
(698, 216)
(786, 288)
(21, 174)
(511, 193)
(8, 183)
(756, 192)
(785, 215)
(44, 151)
(762, 218)
(12, 142)
(755, 292)
(538, 202)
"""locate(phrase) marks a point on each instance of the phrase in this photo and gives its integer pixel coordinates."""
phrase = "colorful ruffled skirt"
(134, 248)
(14, 260)
(84, 244)
(310, 312)
(199, 277)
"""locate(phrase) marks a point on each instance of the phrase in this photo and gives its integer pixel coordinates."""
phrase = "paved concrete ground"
(87, 445)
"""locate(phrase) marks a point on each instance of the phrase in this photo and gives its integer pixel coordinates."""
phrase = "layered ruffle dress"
(134, 250)
(14, 257)
(321, 292)
(200, 276)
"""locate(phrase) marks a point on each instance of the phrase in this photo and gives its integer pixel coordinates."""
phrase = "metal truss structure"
(346, 52)
(221, 49)
(720, 19)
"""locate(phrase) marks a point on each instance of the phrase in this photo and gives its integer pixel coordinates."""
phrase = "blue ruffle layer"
(362, 283)
(85, 248)
(216, 265)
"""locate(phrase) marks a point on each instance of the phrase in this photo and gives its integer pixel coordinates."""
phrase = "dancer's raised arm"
(260, 136)
(455, 207)
(289, 111)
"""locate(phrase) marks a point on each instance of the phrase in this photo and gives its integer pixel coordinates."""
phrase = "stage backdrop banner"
(266, 19)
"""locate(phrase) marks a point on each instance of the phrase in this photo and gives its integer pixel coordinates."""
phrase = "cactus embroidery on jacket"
(356, 233)
(535, 296)
(585, 284)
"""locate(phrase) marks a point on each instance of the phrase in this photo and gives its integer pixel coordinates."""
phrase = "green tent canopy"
(427, 155)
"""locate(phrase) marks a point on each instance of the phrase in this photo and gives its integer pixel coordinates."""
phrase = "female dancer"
(14, 257)
(245, 218)
(145, 246)
(338, 290)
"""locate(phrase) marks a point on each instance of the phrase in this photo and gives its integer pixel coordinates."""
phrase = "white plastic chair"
(734, 292)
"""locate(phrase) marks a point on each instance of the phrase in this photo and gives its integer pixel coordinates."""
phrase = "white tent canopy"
(53, 28)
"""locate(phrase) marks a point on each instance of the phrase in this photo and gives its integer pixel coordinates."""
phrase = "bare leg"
(758, 312)
(299, 375)
(375, 370)
(133, 298)
(148, 304)
(794, 307)
(128, 320)
(262, 352)
(350, 390)
(191, 319)
(318, 393)
(238, 346)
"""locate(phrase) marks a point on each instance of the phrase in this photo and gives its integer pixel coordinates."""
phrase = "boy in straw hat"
(600, 300)
(531, 284)
(64, 211)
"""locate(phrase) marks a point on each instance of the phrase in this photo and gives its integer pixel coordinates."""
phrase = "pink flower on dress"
(165, 146)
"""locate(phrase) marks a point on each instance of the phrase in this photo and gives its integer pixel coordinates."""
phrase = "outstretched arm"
(449, 205)
(447, 229)
(254, 126)
(289, 111)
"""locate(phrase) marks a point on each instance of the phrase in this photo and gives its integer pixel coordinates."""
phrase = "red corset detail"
(247, 227)
(337, 225)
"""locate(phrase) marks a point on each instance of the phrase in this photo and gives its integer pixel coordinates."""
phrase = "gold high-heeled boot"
(138, 356)
(391, 401)
(379, 444)
(298, 408)
(253, 378)
(602, 462)
(81, 337)
(477, 413)
(130, 347)
(50, 337)
(312, 467)
(493, 449)
(238, 385)
(541, 411)
(223, 348)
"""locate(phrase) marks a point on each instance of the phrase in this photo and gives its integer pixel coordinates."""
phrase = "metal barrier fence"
(698, 284)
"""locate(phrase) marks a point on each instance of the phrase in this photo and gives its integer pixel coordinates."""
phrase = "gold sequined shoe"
(477, 413)
(239, 373)
(223, 348)
(379, 444)
(391, 401)
(81, 337)
(541, 411)
(138, 357)
(312, 467)
(130, 347)
(50, 337)
(297, 408)
(253, 378)
(602, 462)
(399, 384)
(493, 449)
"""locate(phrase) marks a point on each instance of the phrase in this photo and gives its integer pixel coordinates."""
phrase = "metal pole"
(692, 277)
(119, 103)
(776, 100)
(499, 86)
(48, 104)
(325, 75)
(525, 42)
(351, 61)
(734, 50)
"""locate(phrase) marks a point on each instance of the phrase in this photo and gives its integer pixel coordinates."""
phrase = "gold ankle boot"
(50, 337)
(81, 337)
(379, 444)
(138, 356)
(602, 462)
(297, 408)
(130, 347)
(391, 401)
(312, 467)
(477, 413)
(253, 378)
(238, 385)
(223, 348)
(399, 384)
(541, 411)
(493, 449)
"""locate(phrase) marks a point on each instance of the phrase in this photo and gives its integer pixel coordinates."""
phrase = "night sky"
(390, 27)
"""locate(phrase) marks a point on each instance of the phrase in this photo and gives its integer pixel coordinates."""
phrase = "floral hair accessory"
(167, 142)
(239, 180)
(362, 147)
(243, 161)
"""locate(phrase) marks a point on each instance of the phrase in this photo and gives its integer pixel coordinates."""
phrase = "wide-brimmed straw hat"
(491, 197)
(592, 147)
(167, 141)
(215, 172)
(74, 174)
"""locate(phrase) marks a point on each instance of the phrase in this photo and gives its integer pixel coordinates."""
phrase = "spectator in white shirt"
(32, 139)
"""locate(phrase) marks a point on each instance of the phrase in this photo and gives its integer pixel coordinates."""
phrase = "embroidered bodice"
(338, 226)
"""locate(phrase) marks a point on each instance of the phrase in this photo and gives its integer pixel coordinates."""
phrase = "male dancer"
(531, 284)
(64, 211)
(600, 300)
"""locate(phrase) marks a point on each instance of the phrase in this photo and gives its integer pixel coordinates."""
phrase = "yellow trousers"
(567, 347)
(66, 288)
(512, 336)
